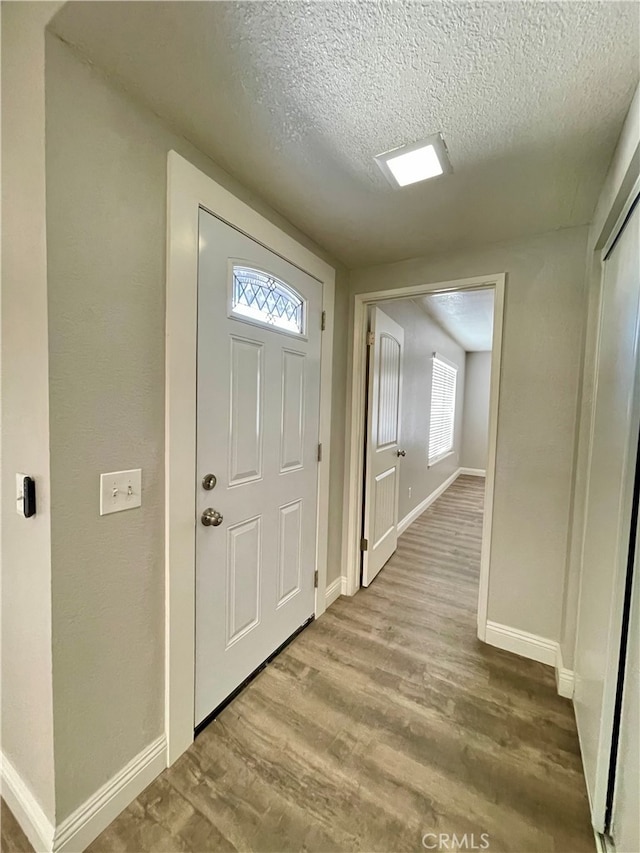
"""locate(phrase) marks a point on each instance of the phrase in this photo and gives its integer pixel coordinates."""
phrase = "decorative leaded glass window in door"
(263, 298)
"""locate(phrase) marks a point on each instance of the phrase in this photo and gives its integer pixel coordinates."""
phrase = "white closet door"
(608, 512)
(625, 821)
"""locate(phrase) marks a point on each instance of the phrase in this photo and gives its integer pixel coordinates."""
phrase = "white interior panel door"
(383, 436)
(608, 512)
(259, 321)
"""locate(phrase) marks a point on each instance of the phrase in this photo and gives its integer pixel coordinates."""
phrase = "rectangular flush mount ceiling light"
(409, 164)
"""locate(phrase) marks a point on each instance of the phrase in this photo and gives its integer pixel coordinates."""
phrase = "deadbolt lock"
(209, 482)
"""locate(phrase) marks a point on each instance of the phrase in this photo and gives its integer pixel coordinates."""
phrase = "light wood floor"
(383, 721)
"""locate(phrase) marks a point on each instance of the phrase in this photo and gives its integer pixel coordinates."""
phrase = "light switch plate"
(120, 490)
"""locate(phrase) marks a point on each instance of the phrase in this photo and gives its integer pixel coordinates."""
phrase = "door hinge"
(323, 321)
(370, 339)
(320, 453)
(315, 579)
(364, 544)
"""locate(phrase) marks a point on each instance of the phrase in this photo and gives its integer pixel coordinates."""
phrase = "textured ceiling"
(295, 98)
(466, 315)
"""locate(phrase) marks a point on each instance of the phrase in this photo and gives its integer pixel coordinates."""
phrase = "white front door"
(259, 328)
(382, 473)
(614, 441)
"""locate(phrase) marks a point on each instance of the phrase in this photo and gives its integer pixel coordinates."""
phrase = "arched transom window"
(262, 298)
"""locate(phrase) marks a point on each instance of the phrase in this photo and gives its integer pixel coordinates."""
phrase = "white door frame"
(355, 426)
(189, 189)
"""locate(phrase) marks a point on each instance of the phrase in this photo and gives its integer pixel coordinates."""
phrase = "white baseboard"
(535, 648)
(26, 809)
(87, 822)
(417, 511)
(334, 590)
(474, 472)
(564, 676)
(565, 682)
(78, 830)
(521, 643)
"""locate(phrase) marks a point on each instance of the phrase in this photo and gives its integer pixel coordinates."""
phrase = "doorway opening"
(425, 360)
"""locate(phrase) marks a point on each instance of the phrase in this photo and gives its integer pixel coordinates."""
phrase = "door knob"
(401, 452)
(211, 518)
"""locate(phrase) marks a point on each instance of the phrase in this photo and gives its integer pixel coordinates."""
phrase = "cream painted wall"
(475, 428)
(27, 692)
(624, 169)
(544, 310)
(423, 337)
(106, 201)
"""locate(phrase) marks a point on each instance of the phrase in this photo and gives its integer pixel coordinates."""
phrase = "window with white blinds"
(443, 408)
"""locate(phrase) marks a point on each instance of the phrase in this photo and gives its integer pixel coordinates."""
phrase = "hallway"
(383, 721)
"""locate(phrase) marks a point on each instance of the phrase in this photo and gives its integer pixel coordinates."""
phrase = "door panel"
(608, 513)
(243, 578)
(289, 550)
(384, 499)
(389, 392)
(380, 521)
(259, 321)
(293, 393)
(245, 446)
